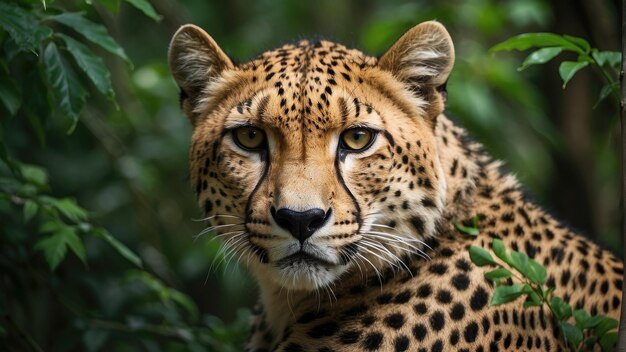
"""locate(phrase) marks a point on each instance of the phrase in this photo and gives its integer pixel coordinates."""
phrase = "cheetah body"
(393, 273)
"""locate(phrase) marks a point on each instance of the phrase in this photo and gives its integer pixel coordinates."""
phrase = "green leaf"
(30, 209)
(519, 261)
(612, 58)
(69, 208)
(535, 40)
(505, 294)
(594, 321)
(560, 309)
(92, 65)
(606, 90)
(472, 231)
(118, 246)
(581, 316)
(52, 226)
(580, 42)
(111, 5)
(608, 341)
(532, 300)
(536, 272)
(54, 249)
(186, 302)
(573, 335)
(35, 175)
(480, 256)
(500, 250)
(9, 94)
(68, 90)
(22, 26)
(540, 56)
(568, 69)
(76, 244)
(590, 341)
(498, 274)
(55, 246)
(606, 324)
(145, 7)
(93, 32)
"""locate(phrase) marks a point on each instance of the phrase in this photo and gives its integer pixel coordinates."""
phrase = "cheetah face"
(314, 160)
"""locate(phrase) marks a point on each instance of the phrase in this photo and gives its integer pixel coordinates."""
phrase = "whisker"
(218, 216)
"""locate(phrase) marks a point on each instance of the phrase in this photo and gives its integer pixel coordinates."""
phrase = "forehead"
(306, 85)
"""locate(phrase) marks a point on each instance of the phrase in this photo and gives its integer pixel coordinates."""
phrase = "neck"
(471, 174)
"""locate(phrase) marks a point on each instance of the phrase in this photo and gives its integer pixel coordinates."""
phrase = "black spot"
(438, 268)
(401, 343)
(418, 224)
(368, 320)
(419, 331)
(311, 315)
(428, 203)
(356, 310)
(349, 337)
(420, 308)
(604, 288)
(424, 291)
(394, 321)
(385, 298)
(457, 312)
(437, 346)
(402, 297)
(323, 330)
(470, 332)
(437, 321)
(463, 264)
(444, 296)
(479, 298)
(486, 324)
(372, 341)
(293, 347)
(507, 341)
(454, 337)
(460, 282)
(208, 206)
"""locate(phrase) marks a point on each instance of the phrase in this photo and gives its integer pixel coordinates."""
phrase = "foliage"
(47, 73)
(551, 45)
(579, 330)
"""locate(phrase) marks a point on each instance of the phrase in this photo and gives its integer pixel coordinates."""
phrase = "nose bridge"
(302, 184)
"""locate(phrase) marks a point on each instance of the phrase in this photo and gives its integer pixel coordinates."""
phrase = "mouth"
(300, 258)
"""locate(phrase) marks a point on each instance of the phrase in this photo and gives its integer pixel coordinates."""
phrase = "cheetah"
(335, 177)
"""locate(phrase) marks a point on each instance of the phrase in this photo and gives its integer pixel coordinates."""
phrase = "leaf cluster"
(51, 59)
(551, 45)
(581, 334)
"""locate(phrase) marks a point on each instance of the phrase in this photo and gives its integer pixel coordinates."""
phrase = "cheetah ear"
(422, 57)
(195, 60)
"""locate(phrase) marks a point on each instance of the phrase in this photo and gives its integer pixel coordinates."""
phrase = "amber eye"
(357, 139)
(249, 138)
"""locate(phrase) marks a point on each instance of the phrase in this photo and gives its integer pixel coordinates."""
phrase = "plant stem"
(621, 342)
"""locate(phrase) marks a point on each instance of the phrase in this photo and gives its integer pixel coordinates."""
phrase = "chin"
(306, 276)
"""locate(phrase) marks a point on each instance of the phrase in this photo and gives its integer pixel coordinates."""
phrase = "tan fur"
(386, 288)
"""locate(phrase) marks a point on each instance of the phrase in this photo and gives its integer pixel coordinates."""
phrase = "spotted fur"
(391, 273)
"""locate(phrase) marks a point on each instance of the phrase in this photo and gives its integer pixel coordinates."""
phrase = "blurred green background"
(128, 166)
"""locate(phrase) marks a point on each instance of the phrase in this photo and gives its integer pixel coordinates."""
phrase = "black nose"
(301, 224)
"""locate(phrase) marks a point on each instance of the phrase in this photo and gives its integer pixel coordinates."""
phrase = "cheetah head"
(314, 160)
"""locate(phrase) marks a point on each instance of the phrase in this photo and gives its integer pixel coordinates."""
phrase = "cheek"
(228, 181)
(366, 176)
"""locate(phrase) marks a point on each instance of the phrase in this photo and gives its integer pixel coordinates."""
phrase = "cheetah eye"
(357, 139)
(249, 137)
